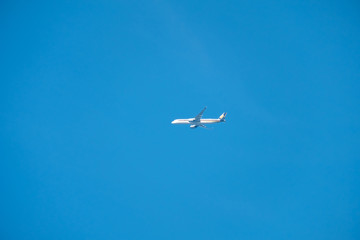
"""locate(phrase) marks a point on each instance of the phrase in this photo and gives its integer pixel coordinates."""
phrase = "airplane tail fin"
(222, 117)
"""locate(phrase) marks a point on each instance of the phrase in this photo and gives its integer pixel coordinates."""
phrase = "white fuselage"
(198, 121)
(194, 122)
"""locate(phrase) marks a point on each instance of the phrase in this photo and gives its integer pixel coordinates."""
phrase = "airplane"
(198, 122)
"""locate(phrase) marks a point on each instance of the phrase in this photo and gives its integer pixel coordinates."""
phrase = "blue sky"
(89, 88)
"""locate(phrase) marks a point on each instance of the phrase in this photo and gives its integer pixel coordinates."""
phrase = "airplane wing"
(198, 117)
